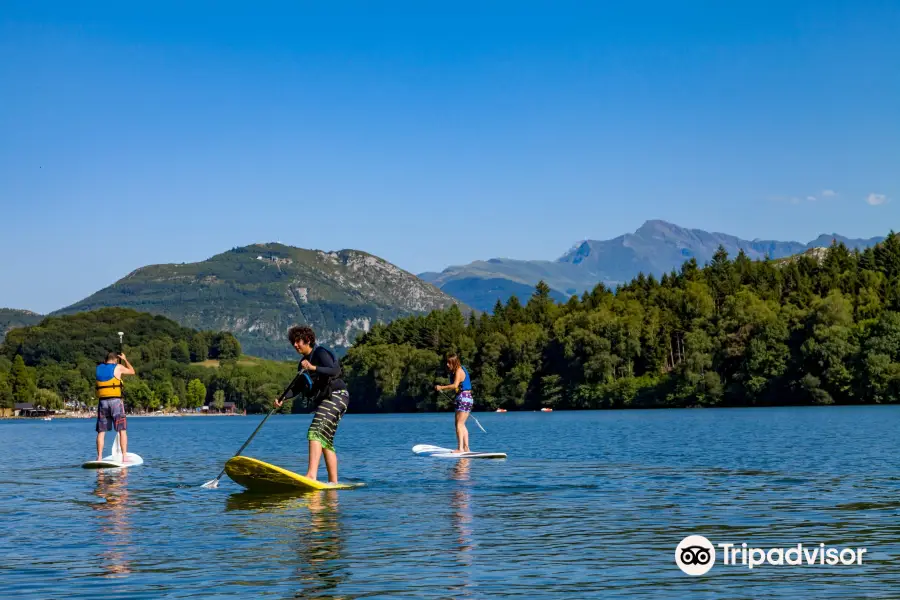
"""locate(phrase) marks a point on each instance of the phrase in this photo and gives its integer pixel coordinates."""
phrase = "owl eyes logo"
(695, 555)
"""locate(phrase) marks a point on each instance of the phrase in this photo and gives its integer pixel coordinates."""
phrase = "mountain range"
(258, 291)
(655, 248)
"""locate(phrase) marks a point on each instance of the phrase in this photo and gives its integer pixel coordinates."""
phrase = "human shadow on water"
(113, 525)
(309, 523)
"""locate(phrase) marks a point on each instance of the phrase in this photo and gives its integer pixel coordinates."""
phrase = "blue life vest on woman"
(466, 385)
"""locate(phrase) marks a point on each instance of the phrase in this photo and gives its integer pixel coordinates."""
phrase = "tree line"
(52, 364)
(819, 328)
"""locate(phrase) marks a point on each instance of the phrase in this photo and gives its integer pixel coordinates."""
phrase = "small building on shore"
(228, 408)
(27, 409)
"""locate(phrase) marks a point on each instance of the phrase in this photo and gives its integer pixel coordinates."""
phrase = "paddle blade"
(479, 424)
(211, 484)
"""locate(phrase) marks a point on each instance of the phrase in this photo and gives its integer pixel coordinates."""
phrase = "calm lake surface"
(588, 504)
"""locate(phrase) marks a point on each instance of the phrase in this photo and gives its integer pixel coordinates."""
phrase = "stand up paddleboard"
(114, 460)
(260, 476)
(438, 452)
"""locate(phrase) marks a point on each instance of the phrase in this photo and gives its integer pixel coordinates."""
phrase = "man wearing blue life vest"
(110, 408)
(328, 391)
(462, 384)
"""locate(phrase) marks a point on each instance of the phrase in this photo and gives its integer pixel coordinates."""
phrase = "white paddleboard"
(109, 462)
(438, 452)
(114, 460)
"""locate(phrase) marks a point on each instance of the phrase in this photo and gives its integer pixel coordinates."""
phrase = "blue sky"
(431, 134)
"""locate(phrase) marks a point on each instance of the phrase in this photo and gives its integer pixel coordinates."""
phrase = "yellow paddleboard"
(260, 476)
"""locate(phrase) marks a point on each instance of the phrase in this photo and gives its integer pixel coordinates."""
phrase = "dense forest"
(52, 364)
(819, 328)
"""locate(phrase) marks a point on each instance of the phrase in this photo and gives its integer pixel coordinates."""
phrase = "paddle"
(117, 447)
(473, 416)
(215, 482)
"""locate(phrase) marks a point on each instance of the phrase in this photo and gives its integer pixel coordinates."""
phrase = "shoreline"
(93, 415)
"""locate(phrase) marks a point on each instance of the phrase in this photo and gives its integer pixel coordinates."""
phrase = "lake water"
(588, 504)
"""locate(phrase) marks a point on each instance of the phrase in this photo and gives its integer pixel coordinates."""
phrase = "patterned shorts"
(111, 415)
(464, 401)
(328, 415)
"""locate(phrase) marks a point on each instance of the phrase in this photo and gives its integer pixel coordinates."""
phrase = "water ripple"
(587, 505)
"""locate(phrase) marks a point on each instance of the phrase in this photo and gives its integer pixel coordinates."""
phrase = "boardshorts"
(111, 415)
(328, 415)
(464, 401)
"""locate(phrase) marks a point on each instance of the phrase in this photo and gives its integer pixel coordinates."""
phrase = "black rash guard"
(327, 369)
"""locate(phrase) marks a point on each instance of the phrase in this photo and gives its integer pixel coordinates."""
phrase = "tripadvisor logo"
(696, 555)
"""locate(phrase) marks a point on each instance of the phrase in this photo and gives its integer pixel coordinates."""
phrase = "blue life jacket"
(313, 385)
(466, 385)
(108, 385)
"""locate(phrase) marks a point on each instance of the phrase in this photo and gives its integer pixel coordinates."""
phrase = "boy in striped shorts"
(329, 392)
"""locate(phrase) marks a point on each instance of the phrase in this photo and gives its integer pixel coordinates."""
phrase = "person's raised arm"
(126, 369)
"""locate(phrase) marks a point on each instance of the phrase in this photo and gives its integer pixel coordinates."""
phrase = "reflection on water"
(461, 515)
(252, 501)
(309, 525)
(462, 512)
(113, 526)
(589, 505)
(320, 547)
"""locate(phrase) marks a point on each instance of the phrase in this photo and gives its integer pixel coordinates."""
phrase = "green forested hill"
(820, 328)
(52, 364)
(259, 291)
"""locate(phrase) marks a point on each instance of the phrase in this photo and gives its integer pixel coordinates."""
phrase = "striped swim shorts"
(328, 415)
